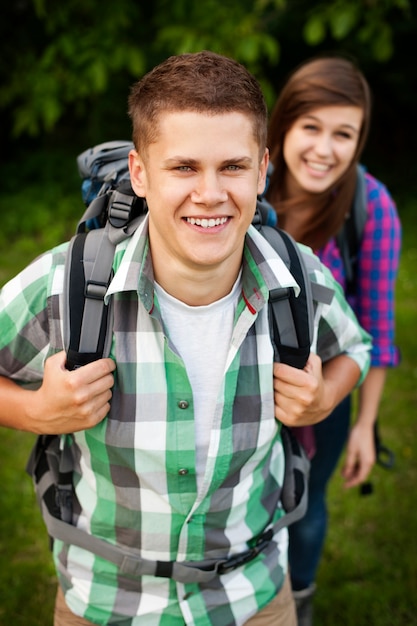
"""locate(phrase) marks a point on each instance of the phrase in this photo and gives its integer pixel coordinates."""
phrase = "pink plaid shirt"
(378, 261)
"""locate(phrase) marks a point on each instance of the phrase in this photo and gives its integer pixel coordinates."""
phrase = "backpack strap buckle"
(95, 290)
(245, 557)
(120, 208)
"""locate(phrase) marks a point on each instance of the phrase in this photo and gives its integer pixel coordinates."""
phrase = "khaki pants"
(279, 612)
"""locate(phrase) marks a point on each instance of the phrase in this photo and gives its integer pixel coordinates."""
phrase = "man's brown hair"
(203, 82)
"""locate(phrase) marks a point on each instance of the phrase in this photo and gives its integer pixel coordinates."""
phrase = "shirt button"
(188, 595)
(183, 404)
(183, 471)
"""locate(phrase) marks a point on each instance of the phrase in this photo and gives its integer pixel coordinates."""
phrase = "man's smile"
(207, 222)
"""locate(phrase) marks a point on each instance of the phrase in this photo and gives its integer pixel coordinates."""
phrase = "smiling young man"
(178, 452)
(202, 193)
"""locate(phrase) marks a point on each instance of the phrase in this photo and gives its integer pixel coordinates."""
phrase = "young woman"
(318, 130)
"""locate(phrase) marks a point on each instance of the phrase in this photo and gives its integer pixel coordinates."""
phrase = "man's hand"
(72, 401)
(65, 402)
(307, 396)
(300, 397)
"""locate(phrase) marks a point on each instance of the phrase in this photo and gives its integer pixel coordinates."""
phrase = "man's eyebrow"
(183, 160)
(174, 160)
(240, 160)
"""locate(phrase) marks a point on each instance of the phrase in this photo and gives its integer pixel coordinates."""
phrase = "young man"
(185, 463)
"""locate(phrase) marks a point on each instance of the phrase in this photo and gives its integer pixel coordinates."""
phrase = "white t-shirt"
(202, 336)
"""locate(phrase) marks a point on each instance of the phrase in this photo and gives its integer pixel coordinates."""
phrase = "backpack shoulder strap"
(291, 317)
(350, 236)
(291, 322)
(87, 319)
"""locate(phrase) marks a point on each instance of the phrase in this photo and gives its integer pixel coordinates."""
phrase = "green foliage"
(367, 22)
(66, 60)
(40, 204)
(228, 28)
(59, 57)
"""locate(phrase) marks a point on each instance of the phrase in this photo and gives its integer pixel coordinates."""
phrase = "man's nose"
(209, 190)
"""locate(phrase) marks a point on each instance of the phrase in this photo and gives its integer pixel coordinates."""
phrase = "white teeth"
(319, 167)
(206, 223)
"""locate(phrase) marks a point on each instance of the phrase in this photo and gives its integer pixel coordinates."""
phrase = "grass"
(27, 578)
(368, 573)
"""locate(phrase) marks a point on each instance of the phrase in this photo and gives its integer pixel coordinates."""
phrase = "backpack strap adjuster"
(278, 294)
(95, 290)
(120, 209)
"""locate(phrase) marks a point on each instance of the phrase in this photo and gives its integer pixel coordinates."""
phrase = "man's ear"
(263, 167)
(137, 174)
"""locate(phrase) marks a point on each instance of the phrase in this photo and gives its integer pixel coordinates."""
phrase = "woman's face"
(320, 146)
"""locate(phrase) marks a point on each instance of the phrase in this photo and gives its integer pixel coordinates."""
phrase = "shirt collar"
(263, 269)
(132, 266)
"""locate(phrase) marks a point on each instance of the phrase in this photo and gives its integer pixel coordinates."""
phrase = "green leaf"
(314, 30)
(248, 49)
(382, 46)
(136, 62)
(343, 20)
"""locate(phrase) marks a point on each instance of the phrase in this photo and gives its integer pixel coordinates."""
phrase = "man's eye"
(233, 167)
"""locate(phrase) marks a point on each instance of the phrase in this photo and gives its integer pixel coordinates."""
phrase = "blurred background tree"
(66, 67)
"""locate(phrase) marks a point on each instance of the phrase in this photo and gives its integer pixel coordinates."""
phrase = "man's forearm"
(65, 402)
(14, 404)
(340, 375)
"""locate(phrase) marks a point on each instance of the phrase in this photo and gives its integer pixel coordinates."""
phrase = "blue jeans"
(307, 535)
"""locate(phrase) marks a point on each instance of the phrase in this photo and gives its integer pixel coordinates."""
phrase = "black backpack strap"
(350, 236)
(291, 316)
(87, 319)
(88, 272)
(292, 327)
(291, 320)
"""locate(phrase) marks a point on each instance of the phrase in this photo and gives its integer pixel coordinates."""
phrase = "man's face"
(200, 179)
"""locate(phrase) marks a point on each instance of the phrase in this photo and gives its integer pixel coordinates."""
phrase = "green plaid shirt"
(135, 471)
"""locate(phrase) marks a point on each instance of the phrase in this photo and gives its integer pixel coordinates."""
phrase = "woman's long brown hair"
(327, 81)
